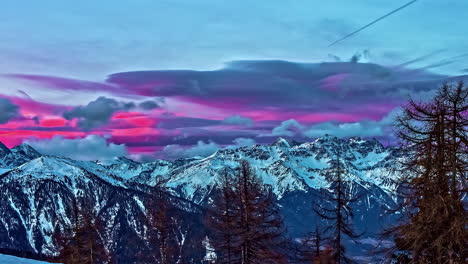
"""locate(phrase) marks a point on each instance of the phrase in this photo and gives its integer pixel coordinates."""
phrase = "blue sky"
(89, 39)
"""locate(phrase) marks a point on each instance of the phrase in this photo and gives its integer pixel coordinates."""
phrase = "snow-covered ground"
(6, 259)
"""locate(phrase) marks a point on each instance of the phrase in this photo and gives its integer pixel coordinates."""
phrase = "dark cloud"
(289, 86)
(96, 113)
(284, 85)
(148, 105)
(340, 95)
(355, 58)
(8, 110)
(36, 119)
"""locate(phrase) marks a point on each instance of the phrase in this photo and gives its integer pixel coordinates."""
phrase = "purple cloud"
(282, 84)
(8, 110)
(60, 83)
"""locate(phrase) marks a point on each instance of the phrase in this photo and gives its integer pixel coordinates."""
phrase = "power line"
(373, 22)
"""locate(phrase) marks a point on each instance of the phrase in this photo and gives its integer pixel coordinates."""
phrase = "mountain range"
(36, 192)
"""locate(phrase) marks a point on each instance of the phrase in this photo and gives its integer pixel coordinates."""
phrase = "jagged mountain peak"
(363, 145)
(39, 191)
(126, 160)
(26, 150)
(329, 139)
(4, 150)
(117, 161)
(11, 158)
(65, 170)
(285, 165)
(282, 143)
(363, 141)
(50, 165)
(301, 163)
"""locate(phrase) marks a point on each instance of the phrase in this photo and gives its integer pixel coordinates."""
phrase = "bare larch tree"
(433, 228)
(335, 208)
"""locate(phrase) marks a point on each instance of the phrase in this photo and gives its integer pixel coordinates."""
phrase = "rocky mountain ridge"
(37, 190)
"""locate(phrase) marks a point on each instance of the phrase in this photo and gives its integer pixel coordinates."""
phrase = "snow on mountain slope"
(17, 155)
(64, 170)
(286, 166)
(7, 259)
(128, 169)
(37, 194)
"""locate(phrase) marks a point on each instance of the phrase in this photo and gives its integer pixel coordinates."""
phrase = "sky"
(180, 78)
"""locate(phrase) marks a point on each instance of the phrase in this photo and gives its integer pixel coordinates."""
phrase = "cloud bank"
(91, 147)
(201, 149)
(206, 110)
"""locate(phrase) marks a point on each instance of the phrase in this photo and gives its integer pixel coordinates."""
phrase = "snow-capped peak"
(328, 139)
(50, 166)
(26, 150)
(282, 143)
(11, 158)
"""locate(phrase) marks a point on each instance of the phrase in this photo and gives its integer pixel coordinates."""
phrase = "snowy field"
(6, 259)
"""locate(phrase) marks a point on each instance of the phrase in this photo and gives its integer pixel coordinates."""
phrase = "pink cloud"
(331, 83)
(32, 107)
